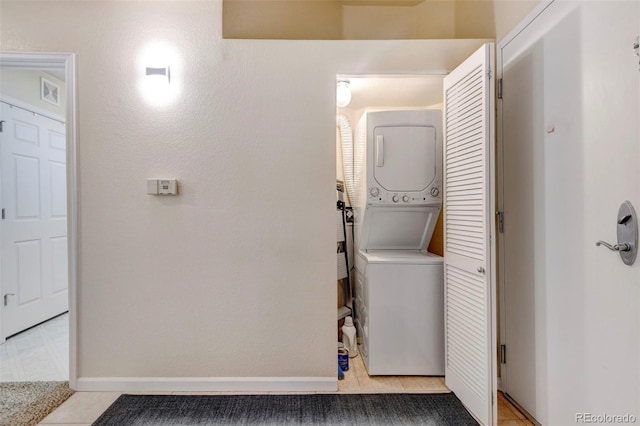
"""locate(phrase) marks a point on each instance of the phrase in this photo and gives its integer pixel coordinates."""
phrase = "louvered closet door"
(468, 218)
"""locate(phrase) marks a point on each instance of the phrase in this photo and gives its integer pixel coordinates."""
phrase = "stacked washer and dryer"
(399, 286)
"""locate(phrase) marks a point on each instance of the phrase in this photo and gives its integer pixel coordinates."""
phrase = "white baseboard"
(207, 384)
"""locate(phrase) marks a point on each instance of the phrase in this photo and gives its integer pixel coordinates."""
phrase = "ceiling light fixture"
(343, 93)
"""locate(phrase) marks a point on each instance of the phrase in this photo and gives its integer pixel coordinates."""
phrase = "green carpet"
(26, 403)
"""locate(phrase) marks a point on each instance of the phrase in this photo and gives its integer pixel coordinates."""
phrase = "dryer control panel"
(431, 195)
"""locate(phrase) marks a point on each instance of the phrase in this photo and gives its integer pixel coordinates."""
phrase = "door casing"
(66, 62)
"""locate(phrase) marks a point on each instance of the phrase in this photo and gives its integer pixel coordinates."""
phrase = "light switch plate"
(152, 186)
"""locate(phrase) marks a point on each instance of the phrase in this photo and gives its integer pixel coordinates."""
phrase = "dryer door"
(404, 157)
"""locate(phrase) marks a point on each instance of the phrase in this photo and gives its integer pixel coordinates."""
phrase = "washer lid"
(406, 257)
(398, 227)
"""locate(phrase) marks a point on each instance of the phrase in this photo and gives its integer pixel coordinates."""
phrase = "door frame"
(66, 62)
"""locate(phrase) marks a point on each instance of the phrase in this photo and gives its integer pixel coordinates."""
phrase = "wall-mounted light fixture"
(161, 72)
(343, 93)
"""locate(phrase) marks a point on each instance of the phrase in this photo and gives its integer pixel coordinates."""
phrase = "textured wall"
(333, 19)
(507, 14)
(278, 19)
(428, 20)
(236, 275)
(473, 17)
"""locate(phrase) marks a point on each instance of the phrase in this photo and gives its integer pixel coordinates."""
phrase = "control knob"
(405, 198)
(435, 192)
(374, 192)
(395, 198)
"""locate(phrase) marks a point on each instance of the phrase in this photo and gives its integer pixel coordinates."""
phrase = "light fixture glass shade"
(158, 85)
(343, 94)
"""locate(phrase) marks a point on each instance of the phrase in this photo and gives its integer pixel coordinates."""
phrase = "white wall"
(278, 19)
(332, 19)
(427, 20)
(235, 277)
(508, 13)
(24, 85)
(587, 302)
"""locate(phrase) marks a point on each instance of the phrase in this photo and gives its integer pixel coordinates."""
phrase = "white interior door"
(33, 230)
(569, 123)
(469, 260)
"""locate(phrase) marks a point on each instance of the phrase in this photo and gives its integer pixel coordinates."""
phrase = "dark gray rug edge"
(443, 409)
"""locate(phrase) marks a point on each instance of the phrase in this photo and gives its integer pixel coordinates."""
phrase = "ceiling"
(381, 2)
(396, 91)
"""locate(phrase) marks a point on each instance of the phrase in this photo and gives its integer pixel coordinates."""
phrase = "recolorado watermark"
(605, 418)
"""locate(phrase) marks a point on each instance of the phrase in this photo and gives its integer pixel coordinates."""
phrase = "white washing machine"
(400, 300)
(399, 287)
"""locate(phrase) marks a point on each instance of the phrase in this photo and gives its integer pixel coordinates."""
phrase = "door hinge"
(3, 214)
(489, 73)
(500, 222)
(2, 126)
(503, 354)
(500, 88)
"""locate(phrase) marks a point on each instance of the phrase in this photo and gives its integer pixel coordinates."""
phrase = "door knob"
(481, 269)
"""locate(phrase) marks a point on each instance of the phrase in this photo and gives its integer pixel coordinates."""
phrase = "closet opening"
(399, 347)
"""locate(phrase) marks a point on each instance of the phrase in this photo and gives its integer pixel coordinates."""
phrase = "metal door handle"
(6, 298)
(615, 247)
(481, 269)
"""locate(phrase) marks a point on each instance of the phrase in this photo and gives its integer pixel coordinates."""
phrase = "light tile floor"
(83, 408)
(356, 380)
(508, 415)
(42, 353)
(38, 354)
